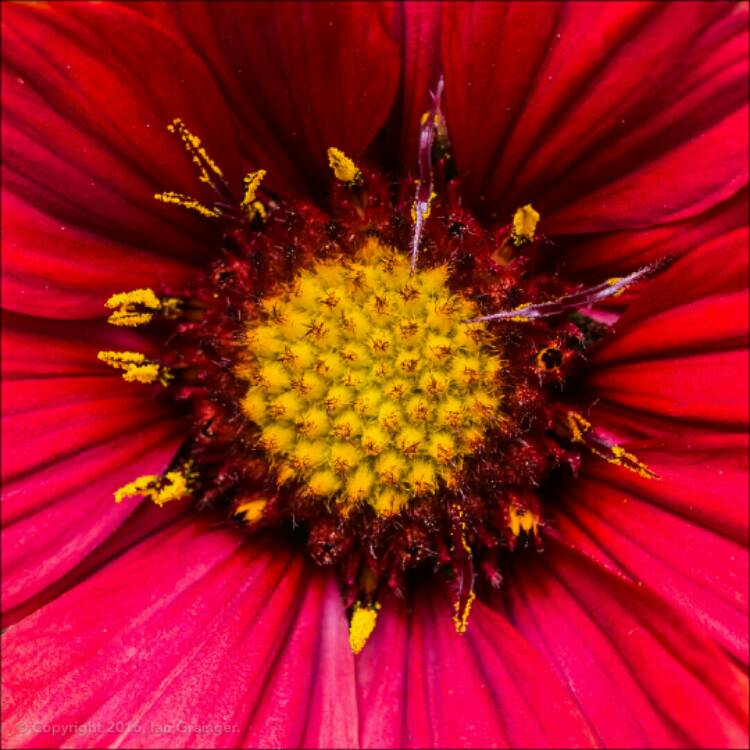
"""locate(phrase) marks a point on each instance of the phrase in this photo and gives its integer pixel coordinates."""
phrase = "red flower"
(625, 124)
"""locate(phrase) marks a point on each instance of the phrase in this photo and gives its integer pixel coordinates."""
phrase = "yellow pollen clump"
(206, 165)
(362, 625)
(525, 220)
(174, 485)
(251, 510)
(139, 306)
(579, 429)
(522, 519)
(180, 199)
(250, 205)
(461, 618)
(426, 207)
(136, 367)
(343, 167)
(349, 407)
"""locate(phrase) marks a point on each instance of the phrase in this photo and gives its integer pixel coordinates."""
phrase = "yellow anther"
(438, 121)
(139, 306)
(179, 199)
(525, 220)
(209, 172)
(549, 359)
(274, 378)
(578, 428)
(136, 368)
(193, 146)
(174, 485)
(577, 425)
(347, 425)
(521, 317)
(125, 306)
(251, 510)
(313, 423)
(250, 204)
(410, 440)
(522, 519)
(308, 454)
(254, 404)
(390, 501)
(362, 625)
(461, 619)
(442, 447)
(374, 440)
(617, 455)
(343, 167)
(616, 280)
(426, 207)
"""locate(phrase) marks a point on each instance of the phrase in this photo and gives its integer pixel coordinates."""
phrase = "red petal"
(88, 92)
(36, 347)
(640, 673)
(697, 570)
(608, 103)
(300, 77)
(709, 325)
(59, 270)
(70, 441)
(662, 190)
(423, 685)
(55, 517)
(491, 53)
(195, 647)
(681, 348)
(145, 519)
(597, 256)
(714, 270)
(53, 420)
(683, 387)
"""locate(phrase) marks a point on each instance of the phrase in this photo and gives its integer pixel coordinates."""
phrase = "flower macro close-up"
(375, 374)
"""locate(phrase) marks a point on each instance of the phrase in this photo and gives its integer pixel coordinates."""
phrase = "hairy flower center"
(366, 382)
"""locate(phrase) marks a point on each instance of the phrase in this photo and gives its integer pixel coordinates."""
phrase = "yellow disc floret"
(366, 382)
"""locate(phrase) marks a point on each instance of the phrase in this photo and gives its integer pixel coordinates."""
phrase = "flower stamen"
(344, 168)
(209, 170)
(174, 485)
(250, 205)
(136, 367)
(139, 307)
(180, 199)
(362, 624)
(462, 612)
(525, 221)
(583, 298)
(581, 431)
(425, 194)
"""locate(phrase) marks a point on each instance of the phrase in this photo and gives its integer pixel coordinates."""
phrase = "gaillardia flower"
(375, 374)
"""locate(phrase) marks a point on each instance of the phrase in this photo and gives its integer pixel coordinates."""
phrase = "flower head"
(429, 296)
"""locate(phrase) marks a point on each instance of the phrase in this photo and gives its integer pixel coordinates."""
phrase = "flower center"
(366, 381)
(359, 392)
